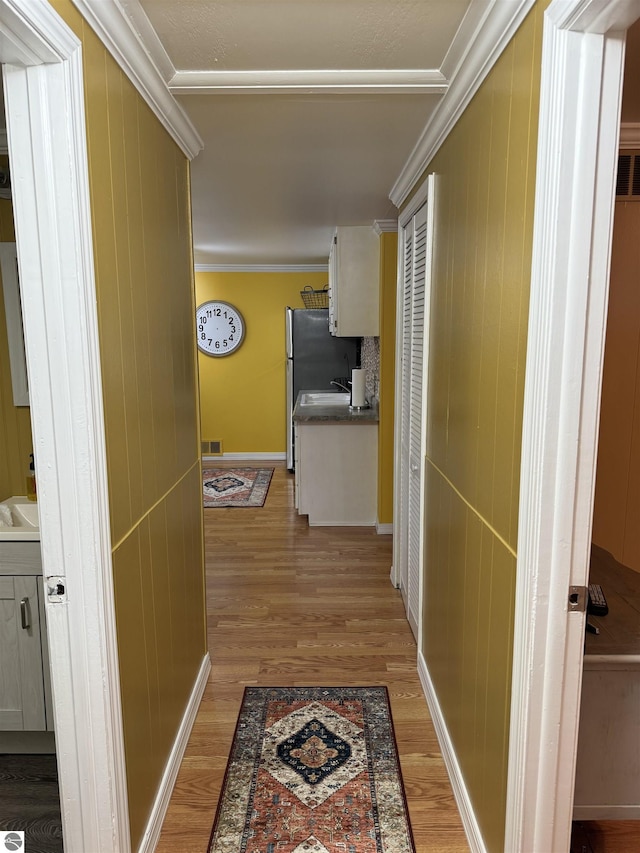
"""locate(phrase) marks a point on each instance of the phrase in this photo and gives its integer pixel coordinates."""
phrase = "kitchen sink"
(324, 398)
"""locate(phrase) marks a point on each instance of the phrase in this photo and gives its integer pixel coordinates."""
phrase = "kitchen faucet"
(340, 385)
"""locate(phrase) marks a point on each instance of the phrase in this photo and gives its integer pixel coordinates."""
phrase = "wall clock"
(219, 328)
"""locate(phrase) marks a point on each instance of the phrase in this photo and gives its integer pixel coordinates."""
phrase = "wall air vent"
(211, 448)
(628, 178)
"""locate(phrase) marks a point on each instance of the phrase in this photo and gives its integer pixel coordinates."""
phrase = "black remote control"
(597, 602)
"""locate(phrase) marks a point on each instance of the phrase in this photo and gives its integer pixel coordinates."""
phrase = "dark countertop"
(317, 414)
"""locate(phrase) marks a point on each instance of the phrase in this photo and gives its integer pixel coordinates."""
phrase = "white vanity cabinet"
(607, 785)
(25, 692)
(354, 282)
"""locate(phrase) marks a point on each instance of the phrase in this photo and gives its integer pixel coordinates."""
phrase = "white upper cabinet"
(354, 282)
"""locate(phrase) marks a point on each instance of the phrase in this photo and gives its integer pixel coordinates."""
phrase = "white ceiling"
(313, 34)
(308, 111)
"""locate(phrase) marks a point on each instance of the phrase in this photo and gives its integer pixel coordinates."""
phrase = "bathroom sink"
(19, 520)
(324, 398)
(27, 513)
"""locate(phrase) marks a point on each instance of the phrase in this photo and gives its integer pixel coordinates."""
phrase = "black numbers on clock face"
(219, 329)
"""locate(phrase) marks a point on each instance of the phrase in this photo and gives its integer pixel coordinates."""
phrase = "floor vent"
(211, 448)
(628, 178)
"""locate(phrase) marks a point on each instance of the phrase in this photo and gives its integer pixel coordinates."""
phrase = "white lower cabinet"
(337, 473)
(25, 693)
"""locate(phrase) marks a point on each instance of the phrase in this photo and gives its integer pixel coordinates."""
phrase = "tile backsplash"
(370, 361)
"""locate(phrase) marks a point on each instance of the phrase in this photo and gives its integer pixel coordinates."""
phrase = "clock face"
(219, 328)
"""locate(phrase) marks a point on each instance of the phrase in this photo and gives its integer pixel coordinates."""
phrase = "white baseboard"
(161, 804)
(630, 812)
(247, 457)
(463, 801)
(384, 529)
(27, 743)
(340, 523)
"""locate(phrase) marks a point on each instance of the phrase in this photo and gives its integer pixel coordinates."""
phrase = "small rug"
(236, 486)
(313, 770)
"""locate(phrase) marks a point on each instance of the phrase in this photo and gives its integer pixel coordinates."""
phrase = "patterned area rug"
(235, 486)
(313, 770)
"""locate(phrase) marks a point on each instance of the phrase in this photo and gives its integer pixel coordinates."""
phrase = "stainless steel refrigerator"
(314, 358)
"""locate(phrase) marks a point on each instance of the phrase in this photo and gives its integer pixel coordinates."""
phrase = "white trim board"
(247, 457)
(44, 97)
(384, 529)
(492, 24)
(330, 81)
(261, 267)
(575, 182)
(629, 135)
(381, 226)
(144, 67)
(606, 812)
(463, 800)
(161, 803)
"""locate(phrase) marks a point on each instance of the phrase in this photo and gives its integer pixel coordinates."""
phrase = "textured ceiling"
(305, 34)
(280, 170)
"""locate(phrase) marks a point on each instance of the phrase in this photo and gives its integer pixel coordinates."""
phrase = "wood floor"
(30, 801)
(606, 836)
(294, 605)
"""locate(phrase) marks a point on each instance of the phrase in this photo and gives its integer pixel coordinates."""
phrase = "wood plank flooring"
(606, 836)
(293, 605)
(30, 801)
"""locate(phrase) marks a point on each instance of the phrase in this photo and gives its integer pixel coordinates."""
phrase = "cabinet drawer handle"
(25, 613)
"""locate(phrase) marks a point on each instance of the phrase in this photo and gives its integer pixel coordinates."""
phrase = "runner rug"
(313, 770)
(235, 486)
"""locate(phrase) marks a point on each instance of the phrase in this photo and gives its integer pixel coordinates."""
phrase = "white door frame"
(582, 69)
(43, 79)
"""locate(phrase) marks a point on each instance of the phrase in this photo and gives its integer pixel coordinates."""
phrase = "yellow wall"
(139, 182)
(388, 283)
(15, 421)
(617, 497)
(484, 223)
(242, 396)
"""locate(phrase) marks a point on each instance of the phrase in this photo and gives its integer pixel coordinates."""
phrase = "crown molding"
(336, 81)
(493, 24)
(459, 47)
(148, 36)
(261, 267)
(23, 24)
(385, 225)
(593, 16)
(629, 135)
(116, 29)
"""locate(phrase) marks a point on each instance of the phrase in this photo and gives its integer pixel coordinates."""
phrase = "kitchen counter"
(319, 414)
(336, 466)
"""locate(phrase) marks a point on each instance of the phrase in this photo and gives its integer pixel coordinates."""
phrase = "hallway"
(292, 605)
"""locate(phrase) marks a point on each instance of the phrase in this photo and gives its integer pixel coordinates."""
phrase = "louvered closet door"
(415, 445)
(417, 243)
(401, 526)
